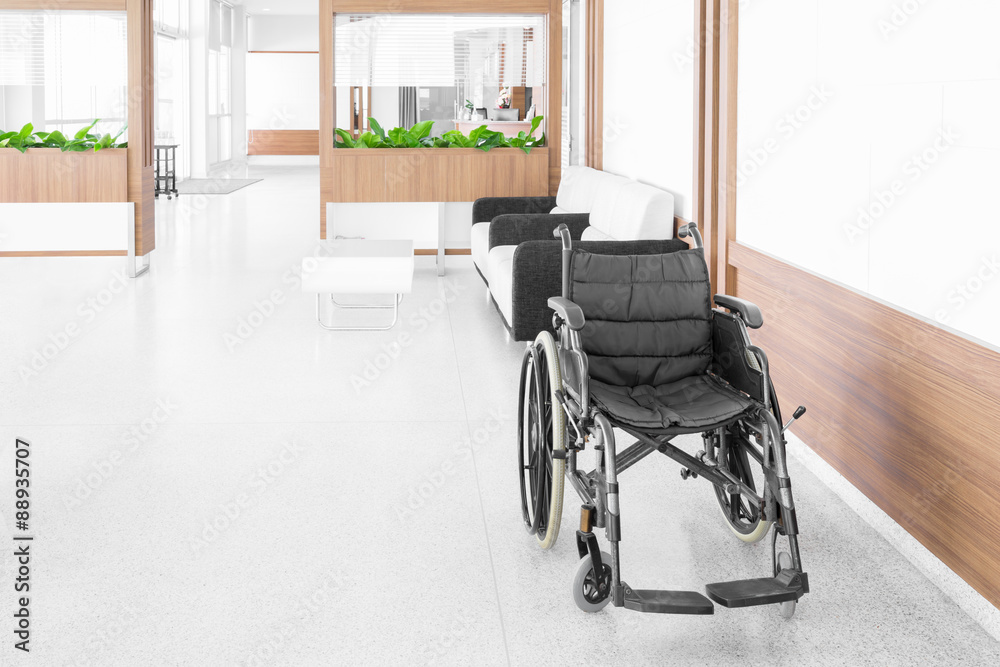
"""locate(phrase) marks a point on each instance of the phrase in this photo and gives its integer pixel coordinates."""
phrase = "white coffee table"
(360, 266)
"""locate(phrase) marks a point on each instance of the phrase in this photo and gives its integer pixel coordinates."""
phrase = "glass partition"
(450, 69)
(60, 70)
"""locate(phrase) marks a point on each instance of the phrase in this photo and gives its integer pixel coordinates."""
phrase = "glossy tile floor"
(217, 481)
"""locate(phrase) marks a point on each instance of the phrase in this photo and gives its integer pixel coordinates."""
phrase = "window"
(170, 24)
(220, 115)
(167, 15)
(59, 70)
(574, 92)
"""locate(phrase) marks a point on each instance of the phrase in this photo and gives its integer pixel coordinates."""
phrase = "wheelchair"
(639, 348)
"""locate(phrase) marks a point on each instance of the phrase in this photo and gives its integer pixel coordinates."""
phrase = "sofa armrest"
(487, 208)
(518, 228)
(538, 276)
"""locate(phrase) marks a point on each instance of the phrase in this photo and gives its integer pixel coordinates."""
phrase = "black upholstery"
(649, 338)
(538, 276)
(516, 228)
(487, 208)
(649, 317)
(696, 402)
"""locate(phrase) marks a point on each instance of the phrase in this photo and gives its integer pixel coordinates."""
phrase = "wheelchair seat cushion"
(695, 402)
(648, 317)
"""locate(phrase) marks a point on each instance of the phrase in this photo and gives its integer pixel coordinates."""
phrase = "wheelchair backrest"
(649, 317)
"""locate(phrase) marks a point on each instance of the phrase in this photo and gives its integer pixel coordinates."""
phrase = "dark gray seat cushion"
(648, 337)
(696, 402)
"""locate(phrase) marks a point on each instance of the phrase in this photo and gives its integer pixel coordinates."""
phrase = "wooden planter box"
(434, 174)
(47, 175)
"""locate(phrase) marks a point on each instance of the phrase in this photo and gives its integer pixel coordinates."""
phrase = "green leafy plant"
(82, 141)
(418, 136)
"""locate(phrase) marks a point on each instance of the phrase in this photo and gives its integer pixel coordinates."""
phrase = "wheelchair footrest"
(786, 587)
(667, 602)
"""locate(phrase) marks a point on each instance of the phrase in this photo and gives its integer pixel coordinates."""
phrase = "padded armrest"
(538, 276)
(748, 311)
(487, 208)
(571, 313)
(516, 229)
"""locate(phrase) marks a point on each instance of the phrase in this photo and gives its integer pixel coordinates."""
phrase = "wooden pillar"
(595, 84)
(716, 31)
(553, 88)
(327, 109)
(141, 100)
(707, 130)
(728, 71)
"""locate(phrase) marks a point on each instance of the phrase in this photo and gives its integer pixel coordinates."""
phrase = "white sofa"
(603, 206)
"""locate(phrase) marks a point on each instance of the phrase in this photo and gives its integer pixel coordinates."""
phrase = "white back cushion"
(594, 234)
(635, 212)
(580, 187)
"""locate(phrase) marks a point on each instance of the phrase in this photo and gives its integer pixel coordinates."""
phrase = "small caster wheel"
(786, 609)
(592, 593)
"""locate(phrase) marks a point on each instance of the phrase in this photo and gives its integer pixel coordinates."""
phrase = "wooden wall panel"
(49, 175)
(906, 411)
(359, 178)
(435, 175)
(283, 142)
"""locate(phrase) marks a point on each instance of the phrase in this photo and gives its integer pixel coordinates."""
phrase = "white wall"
(283, 91)
(284, 33)
(864, 129)
(649, 94)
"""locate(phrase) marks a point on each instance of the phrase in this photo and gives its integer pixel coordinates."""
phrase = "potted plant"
(410, 165)
(51, 167)
(83, 140)
(418, 136)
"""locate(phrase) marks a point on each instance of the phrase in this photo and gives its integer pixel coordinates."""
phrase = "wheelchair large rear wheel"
(745, 462)
(541, 440)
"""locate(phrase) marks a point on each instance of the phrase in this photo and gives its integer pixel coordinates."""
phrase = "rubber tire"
(786, 609)
(586, 567)
(756, 535)
(548, 346)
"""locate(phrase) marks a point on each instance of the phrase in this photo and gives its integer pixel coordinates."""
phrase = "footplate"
(787, 586)
(667, 602)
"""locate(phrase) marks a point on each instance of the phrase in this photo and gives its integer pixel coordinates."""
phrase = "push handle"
(562, 232)
(691, 229)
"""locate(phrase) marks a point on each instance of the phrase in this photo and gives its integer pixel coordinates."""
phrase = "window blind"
(22, 48)
(439, 50)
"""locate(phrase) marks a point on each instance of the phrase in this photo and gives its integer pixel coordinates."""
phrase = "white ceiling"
(278, 7)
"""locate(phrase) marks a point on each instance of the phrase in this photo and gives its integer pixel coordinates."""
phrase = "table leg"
(440, 252)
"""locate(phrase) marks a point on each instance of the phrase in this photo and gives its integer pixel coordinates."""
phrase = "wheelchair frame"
(598, 489)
